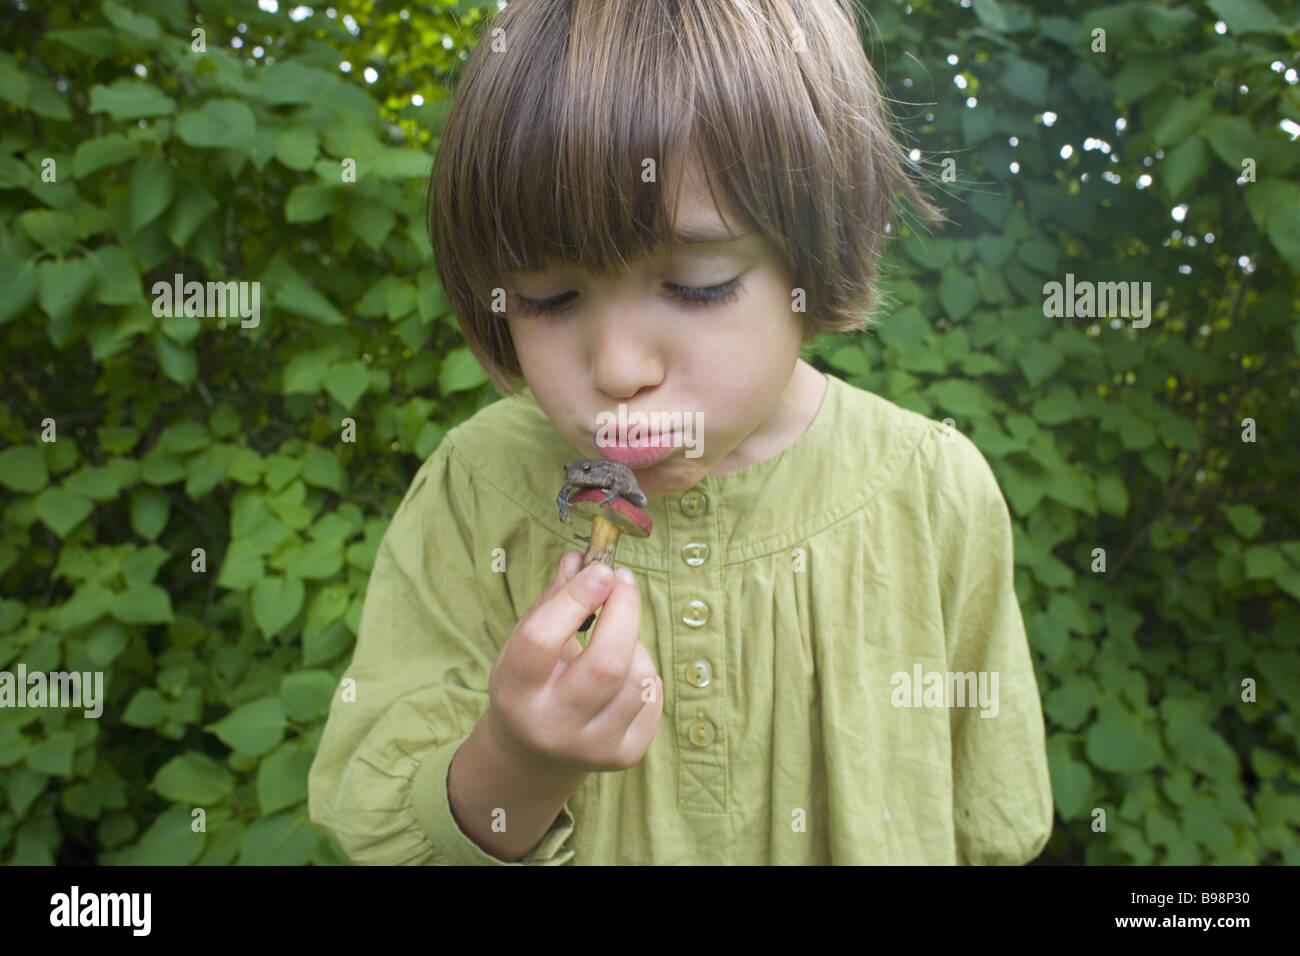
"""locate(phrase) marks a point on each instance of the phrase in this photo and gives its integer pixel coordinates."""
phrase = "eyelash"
(687, 295)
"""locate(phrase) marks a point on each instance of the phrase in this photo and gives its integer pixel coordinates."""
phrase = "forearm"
(484, 777)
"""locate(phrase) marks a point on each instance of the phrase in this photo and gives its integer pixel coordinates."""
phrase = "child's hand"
(563, 708)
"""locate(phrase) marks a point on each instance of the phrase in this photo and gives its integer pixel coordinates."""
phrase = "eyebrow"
(690, 237)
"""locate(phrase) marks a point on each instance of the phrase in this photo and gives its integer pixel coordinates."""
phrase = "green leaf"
(22, 468)
(62, 510)
(1120, 743)
(1135, 433)
(96, 42)
(1038, 360)
(170, 841)
(990, 14)
(323, 469)
(110, 150)
(206, 470)
(299, 297)
(287, 82)
(282, 777)
(126, 21)
(1266, 763)
(193, 778)
(143, 604)
(308, 203)
(242, 567)
(153, 186)
(1070, 704)
(146, 709)
(1058, 406)
(279, 840)
(1112, 496)
(14, 84)
(1071, 780)
(316, 559)
(119, 279)
(107, 642)
(192, 207)
(177, 363)
(276, 600)
(296, 147)
(51, 229)
(1284, 230)
(306, 695)
(1262, 562)
(460, 371)
(1025, 81)
(1245, 519)
(220, 124)
(402, 164)
(61, 285)
(346, 382)
(53, 755)
(1189, 736)
(958, 293)
(1246, 16)
(17, 290)
(326, 607)
(254, 728)
(117, 439)
(1183, 165)
(1183, 118)
(130, 100)
(150, 510)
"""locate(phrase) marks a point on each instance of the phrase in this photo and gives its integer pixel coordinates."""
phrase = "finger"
(543, 633)
(569, 565)
(639, 688)
(646, 724)
(571, 650)
(596, 676)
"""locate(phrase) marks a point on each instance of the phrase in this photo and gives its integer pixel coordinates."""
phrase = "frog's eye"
(586, 467)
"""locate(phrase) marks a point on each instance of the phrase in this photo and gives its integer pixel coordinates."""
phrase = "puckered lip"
(640, 454)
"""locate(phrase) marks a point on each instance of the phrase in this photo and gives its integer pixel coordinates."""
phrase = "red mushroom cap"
(628, 517)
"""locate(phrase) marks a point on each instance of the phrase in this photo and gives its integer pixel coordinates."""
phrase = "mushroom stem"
(604, 540)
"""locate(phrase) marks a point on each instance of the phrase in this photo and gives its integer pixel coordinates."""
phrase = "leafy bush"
(193, 506)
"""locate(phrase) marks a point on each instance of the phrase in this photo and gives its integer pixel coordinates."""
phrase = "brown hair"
(541, 157)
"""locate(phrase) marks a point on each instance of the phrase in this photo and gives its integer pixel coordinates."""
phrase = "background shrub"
(129, 441)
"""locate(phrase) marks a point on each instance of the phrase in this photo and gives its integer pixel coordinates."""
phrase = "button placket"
(703, 647)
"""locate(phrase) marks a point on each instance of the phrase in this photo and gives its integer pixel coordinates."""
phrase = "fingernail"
(602, 575)
(624, 575)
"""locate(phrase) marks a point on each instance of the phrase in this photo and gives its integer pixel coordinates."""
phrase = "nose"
(624, 355)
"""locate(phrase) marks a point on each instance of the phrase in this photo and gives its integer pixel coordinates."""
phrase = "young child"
(655, 205)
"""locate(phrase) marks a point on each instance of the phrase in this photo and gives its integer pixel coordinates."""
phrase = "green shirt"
(790, 607)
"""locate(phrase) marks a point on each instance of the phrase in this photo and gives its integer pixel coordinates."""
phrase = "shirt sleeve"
(418, 682)
(1002, 799)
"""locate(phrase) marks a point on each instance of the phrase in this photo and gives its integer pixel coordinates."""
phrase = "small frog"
(616, 479)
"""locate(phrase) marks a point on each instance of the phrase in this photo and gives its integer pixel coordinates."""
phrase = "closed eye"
(687, 295)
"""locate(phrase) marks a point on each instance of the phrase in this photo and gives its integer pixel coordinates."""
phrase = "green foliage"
(127, 157)
(1114, 437)
(131, 439)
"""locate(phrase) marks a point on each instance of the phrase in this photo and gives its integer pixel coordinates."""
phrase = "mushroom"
(608, 521)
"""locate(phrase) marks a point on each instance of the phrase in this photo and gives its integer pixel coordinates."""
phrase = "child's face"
(626, 339)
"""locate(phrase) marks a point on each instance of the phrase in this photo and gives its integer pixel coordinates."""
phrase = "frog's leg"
(613, 493)
(562, 500)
